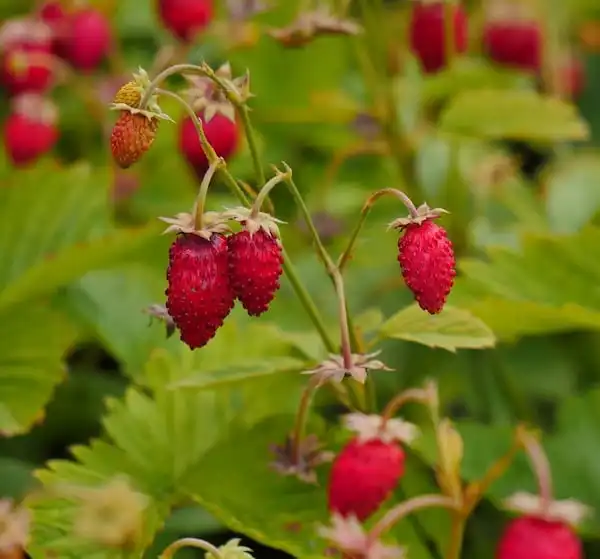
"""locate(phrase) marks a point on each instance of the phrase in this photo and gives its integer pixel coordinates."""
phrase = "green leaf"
(33, 340)
(278, 511)
(551, 285)
(452, 329)
(249, 370)
(514, 115)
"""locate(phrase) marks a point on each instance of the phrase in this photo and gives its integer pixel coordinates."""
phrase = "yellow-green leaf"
(515, 115)
(452, 329)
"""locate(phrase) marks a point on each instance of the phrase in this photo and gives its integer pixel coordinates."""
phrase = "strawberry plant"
(307, 279)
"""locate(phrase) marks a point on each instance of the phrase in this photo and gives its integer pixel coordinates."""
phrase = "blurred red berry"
(363, 476)
(222, 134)
(199, 295)
(529, 537)
(30, 130)
(427, 33)
(86, 39)
(132, 136)
(25, 56)
(572, 77)
(255, 266)
(427, 262)
(54, 15)
(186, 18)
(514, 43)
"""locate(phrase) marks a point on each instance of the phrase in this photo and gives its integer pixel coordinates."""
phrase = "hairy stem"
(202, 193)
(345, 257)
(264, 192)
(251, 139)
(418, 395)
(302, 416)
(405, 508)
(190, 542)
(540, 466)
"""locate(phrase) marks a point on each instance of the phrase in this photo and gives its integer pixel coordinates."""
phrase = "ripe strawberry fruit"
(30, 130)
(427, 33)
(255, 262)
(86, 39)
(186, 18)
(363, 476)
(530, 537)
(427, 262)
(53, 14)
(514, 43)
(199, 295)
(222, 134)
(25, 63)
(132, 136)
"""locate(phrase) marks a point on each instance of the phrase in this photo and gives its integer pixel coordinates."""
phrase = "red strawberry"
(427, 33)
(30, 130)
(572, 73)
(131, 137)
(186, 18)
(87, 39)
(254, 269)
(514, 43)
(26, 43)
(530, 537)
(363, 476)
(53, 14)
(199, 295)
(427, 262)
(222, 134)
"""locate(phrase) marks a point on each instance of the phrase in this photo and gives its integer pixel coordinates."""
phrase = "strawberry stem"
(540, 466)
(405, 508)
(418, 395)
(345, 257)
(170, 551)
(211, 154)
(302, 415)
(200, 203)
(264, 191)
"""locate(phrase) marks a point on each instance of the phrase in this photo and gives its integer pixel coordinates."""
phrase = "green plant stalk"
(302, 416)
(202, 193)
(449, 38)
(457, 535)
(243, 111)
(264, 193)
(170, 551)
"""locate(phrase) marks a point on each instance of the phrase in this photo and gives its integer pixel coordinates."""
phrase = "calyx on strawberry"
(25, 56)
(30, 130)
(199, 293)
(544, 531)
(368, 468)
(135, 129)
(255, 259)
(85, 38)
(186, 18)
(426, 258)
(428, 36)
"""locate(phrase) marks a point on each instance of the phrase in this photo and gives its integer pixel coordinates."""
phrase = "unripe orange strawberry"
(427, 262)
(132, 136)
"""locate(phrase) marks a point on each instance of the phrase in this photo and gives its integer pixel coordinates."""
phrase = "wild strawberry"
(222, 134)
(530, 537)
(199, 295)
(54, 15)
(25, 56)
(427, 261)
(255, 261)
(427, 33)
(87, 39)
(572, 73)
(132, 136)
(186, 18)
(514, 43)
(368, 468)
(30, 130)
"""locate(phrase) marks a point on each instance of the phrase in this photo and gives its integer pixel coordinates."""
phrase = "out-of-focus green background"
(81, 256)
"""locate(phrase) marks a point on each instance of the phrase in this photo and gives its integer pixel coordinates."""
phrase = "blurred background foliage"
(82, 257)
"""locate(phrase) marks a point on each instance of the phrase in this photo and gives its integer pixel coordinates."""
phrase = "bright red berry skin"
(186, 18)
(517, 44)
(428, 265)
(255, 266)
(427, 34)
(27, 139)
(199, 294)
(529, 537)
(363, 476)
(221, 133)
(87, 39)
